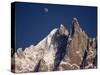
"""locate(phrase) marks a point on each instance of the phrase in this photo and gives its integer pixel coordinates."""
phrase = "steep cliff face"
(59, 50)
(75, 48)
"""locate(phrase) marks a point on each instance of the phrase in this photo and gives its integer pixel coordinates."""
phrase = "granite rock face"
(59, 50)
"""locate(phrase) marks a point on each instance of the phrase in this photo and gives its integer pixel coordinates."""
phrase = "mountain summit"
(59, 50)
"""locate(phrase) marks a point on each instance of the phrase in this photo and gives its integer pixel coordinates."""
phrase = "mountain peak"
(75, 19)
(75, 26)
(75, 22)
(63, 30)
(59, 50)
(62, 26)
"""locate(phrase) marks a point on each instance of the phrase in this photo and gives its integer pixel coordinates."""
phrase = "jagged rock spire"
(75, 26)
(63, 30)
(75, 21)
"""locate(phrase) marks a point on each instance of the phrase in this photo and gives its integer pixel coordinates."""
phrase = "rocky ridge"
(59, 50)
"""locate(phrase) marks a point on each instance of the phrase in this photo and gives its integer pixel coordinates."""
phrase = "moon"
(46, 9)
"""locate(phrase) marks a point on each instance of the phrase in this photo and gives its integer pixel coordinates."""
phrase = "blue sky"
(35, 20)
